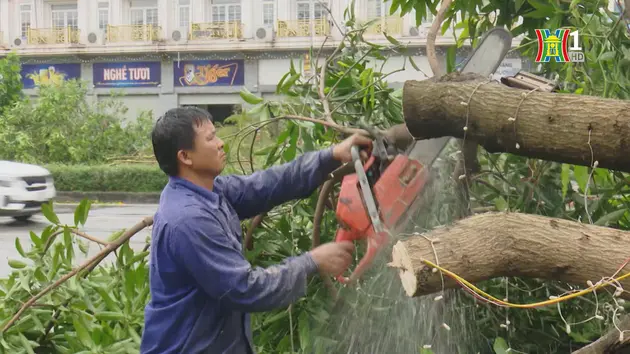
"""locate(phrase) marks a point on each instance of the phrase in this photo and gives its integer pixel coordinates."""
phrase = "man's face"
(207, 156)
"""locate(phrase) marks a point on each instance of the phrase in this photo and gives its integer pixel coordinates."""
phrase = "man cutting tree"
(202, 287)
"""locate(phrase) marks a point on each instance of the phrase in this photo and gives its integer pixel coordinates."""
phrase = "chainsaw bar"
(484, 60)
(368, 197)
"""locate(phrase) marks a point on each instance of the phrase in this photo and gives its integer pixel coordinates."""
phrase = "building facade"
(166, 53)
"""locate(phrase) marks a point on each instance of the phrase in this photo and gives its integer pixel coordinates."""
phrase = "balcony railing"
(133, 33)
(302, 28)
(389, 25)
(216, 30)
(55, 35)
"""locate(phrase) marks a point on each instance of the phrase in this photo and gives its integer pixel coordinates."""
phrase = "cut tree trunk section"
(542, 125)
(492, 245)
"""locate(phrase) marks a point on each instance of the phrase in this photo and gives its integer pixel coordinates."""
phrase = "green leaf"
(48, 231)
(114, 236)
(134, 335)
(14, 263)
(26, 344)
(290, 152)
(565, 178)
(47, 210)
(413, 63)
(608, 56)
(542, 5)
(450, 58)
(304, 331)
(610, 218)
(36, 240)
(501, 204)
(18, 247)
(287, 85)
(81, 212)
(82, 332)
(581, 176)
(500, 346)
(39, 275)
(109, 301)
(110, 316)
(391, 39)
(67, 239)
(249, 97)
(538, 14)
(138, 257)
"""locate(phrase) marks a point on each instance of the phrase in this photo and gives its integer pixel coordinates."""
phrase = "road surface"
(102, 222)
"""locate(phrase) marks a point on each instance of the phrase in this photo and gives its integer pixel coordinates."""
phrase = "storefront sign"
(131, 74)
(209, 73)
(35, 75)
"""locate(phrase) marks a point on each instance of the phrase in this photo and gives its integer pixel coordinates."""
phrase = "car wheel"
(22, 217)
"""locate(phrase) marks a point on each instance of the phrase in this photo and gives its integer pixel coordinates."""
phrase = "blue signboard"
(35, 75)
(209, 73)
(131, 74)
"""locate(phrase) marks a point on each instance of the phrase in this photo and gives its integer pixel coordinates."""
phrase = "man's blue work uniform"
(202, 287)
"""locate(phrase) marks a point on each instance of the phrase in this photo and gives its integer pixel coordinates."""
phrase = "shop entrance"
(218, 111)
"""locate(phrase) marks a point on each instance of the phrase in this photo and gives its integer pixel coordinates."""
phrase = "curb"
(109, 197)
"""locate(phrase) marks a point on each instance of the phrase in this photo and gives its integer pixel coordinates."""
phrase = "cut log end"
(402, 262)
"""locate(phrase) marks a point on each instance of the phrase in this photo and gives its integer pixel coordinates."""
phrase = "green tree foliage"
(62, 125)
(11, 83)
(102, 311)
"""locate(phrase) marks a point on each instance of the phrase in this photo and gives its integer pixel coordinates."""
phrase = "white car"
(23, 189)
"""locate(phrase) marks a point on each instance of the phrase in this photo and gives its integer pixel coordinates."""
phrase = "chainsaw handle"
(356, 156)
(375, 242)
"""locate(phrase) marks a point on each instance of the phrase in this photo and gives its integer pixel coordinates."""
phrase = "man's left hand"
(342, 151)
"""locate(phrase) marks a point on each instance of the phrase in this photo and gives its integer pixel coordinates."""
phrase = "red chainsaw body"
(395, 190)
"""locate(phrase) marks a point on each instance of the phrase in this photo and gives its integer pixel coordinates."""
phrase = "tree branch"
(568, 128)
(432, 36)
(322, 95)
(148, 221)
(88, 237)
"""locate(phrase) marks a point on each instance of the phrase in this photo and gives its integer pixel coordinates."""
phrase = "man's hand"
(342, 151)
(333, 258)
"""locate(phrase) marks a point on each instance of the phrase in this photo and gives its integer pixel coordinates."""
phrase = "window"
(374, 9)
(144, 16)
(184, 13)
(429, 18)
(65, 16)
(103, 15)
(25, 20)
(268, 13)
(307, 9)
(225, 10)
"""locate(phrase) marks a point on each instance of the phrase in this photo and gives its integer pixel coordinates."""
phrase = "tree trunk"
(492, 245)
(548, 126)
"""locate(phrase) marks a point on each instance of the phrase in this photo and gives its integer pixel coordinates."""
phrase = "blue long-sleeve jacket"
(202, 286)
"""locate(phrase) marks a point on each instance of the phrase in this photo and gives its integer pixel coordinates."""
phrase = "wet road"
(102, 222)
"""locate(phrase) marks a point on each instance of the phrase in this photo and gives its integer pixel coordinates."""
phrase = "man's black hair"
(175, 131)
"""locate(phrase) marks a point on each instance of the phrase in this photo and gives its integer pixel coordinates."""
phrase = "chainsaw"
(374, 201)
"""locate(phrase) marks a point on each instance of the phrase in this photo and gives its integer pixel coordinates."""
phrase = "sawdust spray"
(378, 317)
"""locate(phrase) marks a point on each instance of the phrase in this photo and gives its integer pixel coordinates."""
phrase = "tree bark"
(609, 343)
(491, 245)
(548, 126)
